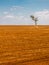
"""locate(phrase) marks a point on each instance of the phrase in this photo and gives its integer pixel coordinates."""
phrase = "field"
(24, 45)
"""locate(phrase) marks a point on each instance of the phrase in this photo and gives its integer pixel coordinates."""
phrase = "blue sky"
(18, 11)
(28, 4)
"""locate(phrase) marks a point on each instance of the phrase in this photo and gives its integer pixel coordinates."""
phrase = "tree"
(35, 19)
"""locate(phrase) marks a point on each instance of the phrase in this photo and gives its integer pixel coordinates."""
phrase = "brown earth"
(24, 45)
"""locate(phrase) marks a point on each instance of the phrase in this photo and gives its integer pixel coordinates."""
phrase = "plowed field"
(24, 45)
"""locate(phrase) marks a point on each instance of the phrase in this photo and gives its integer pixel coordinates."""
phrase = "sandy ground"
(24, 45)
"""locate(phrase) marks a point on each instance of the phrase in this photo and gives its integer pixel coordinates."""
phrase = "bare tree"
(34, 18)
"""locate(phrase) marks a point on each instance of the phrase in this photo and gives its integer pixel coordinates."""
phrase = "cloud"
(20, 18)
(8, 16)
(15, 20)
(15, 15)
(5, 12)
(43, 17)
(16, 8)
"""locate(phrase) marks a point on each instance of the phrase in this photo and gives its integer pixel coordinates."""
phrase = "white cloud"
(17, 20)
(16, 8)
(11, 18)
(43, 17)
(5, 12)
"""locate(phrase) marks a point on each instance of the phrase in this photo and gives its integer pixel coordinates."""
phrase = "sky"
(18, 12)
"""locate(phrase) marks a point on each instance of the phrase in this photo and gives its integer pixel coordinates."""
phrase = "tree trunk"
(35, 22)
